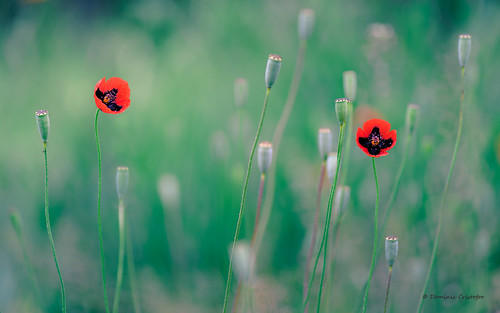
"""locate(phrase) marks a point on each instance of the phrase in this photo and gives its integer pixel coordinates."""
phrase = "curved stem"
(49, 230)
(121, 255)
(314, 231)
(387, 290)
(278, 134)
(445, 191)
(99, 212)
(324, 240)
(372, 267)
(243, 198)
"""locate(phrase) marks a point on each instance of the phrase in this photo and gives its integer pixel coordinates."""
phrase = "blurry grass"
(181, 61)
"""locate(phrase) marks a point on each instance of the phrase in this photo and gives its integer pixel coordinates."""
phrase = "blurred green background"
(181, 59)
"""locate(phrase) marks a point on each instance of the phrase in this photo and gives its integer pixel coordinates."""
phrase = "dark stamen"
(108, 98)
(375, 142)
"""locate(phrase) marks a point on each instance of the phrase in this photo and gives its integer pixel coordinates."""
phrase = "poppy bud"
(43, 122)
(242, 261)
(412, 114)
(325, 142)
(341, 200)
(331, 166)
(265, 156)
(169, 189)
(272, 69)
(342, 109)
(121, 181)
(391, 249)
(464, 44)
(350, 84)
(306, 23)
(240, 91)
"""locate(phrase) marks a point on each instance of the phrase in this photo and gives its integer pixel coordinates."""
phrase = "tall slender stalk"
(49, 231)
(121, 255)
(375, 237)
(314, 231)
(445, 192)
(131, 271)
(99, 174)
(324, 240)
(243, 198)
(257, 213)
(387, 289)
(277, 136)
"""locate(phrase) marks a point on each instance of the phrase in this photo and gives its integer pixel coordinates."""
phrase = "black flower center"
(109, 98)
(375, 142)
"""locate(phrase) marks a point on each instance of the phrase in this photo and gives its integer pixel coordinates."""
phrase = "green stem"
(99, 212)
(349, 141)
(314, 231)
(331, 262)
(278, 134)
(131, 271)
(445, 191)
(243, 198)
(121, 255)
(324, 240)
(372, 267)
(387, 290)
(49, 231)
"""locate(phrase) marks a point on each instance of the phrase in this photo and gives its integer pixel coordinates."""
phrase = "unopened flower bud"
(325, 142)
(265, 156)
(412, 114)
(242, 262)
(272, 69)
(121, 181)
(240, 91)
(350, 84)
(342, 109)
(43, 122)
(169, 189)
(391, 249)
(464, 44)
(331, 166)
(306, 23)
(341, 200)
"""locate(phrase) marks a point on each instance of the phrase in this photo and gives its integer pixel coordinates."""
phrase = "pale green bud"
(272, 69)
(240, 91)
(331, 166)
(306, 23)
(391, 249)
(341, 200)
(350, 84)
(412, 115)
(122, 175)
(169, 190)
(325, 142)
(464, 45)
(43, 122)
(242, 263)
(265, 156)
(342, 109)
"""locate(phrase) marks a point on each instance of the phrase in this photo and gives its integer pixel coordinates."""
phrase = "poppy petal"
(112, 96)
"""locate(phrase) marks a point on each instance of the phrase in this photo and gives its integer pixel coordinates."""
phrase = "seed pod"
(43, 122)
(464, 45)
(331, 166)
(391, 249)
(412, 114)
(265, 156)
(240, 91)
(242, 262)
(350, 84)
(325, 142)
(306, 23)
(342, 109)
(272, 69)
(169, 189)
(341, 200)
(122, 175)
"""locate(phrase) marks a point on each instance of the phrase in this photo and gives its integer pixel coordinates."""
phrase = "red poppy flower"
(112, 96)
(375, 138)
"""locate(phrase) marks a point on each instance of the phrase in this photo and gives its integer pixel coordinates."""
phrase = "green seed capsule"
(240, 91)
(331, 166)
(306, 23)
(464, 45)
(122, 175)
(391, 249)
(265, 156)
(272, 69)
(350, 84)
(412, 114)
(342, 109)
(325, 142)
(43, 122)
